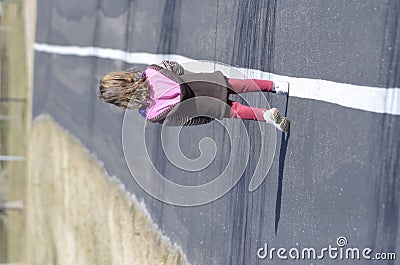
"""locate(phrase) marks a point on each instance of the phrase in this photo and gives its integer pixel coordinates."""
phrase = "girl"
(160, 90)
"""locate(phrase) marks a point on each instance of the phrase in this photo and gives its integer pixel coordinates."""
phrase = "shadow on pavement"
(282, 156)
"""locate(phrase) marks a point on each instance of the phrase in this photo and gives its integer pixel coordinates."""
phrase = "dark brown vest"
(207, 95)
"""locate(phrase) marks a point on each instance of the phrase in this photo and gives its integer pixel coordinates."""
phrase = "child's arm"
(183, 120)
(199, 120)
(174, 67)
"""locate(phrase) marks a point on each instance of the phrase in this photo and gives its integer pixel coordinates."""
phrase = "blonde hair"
(126, 89)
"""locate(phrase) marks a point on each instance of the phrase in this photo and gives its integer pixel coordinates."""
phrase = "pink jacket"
(164, 93)
(169, 87)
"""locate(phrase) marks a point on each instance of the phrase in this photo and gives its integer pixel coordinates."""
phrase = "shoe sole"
(281, 122)
(284, 92)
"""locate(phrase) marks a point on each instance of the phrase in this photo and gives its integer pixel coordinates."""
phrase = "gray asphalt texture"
(337, 172)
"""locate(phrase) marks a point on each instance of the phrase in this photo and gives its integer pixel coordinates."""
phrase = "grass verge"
(77, 215)
(14, 84)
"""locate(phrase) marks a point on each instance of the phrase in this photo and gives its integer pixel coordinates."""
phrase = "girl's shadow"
(282, 156)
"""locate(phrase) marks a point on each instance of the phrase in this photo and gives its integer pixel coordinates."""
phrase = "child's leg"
(271, 116)
(250, 85)
(240, 111)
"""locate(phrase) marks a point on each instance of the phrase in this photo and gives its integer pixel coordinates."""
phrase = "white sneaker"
(281, 87)
(274, 117)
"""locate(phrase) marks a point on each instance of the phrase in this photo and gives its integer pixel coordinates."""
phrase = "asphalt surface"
(335, 174)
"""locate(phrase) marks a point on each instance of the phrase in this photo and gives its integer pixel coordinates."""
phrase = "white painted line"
(372, 99)
(106, 53)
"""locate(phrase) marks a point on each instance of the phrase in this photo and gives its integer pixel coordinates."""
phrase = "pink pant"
(240, 111)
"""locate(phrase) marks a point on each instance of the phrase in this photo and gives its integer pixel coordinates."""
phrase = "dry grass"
(13, 141)
(78, 216)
